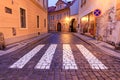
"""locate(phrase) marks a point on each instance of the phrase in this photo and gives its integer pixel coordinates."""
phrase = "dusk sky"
(53, 2)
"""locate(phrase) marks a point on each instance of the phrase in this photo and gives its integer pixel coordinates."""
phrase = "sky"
(53, 2)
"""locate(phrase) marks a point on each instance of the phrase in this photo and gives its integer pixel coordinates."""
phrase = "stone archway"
(72, 25)
(59, 27)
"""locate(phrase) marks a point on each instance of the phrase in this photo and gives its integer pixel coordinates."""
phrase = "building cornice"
(37, 4)
(59, 10)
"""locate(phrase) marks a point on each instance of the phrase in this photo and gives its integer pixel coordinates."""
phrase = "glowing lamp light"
(84, 19)
(67, 19)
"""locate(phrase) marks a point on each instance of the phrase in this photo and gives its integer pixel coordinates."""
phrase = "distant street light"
(84, 19)
(67, 19)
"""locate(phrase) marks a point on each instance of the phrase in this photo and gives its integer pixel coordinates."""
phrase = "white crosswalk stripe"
(92, 60)
(22, 61)
(46, 59)
(68, 58)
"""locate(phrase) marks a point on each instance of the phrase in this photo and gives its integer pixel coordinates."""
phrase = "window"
(68, 13)
(60, 16)
(49, 17)
(83, 2)
(53, 17)
(65, 14)
(37, 21)
(60, 6)
(44, 22)
(57, 17)
(8, 10)
(23, 18)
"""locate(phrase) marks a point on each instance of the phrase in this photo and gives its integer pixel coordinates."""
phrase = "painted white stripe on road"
(46, 59)
(68, 58)
(22, 61)
(93, 61)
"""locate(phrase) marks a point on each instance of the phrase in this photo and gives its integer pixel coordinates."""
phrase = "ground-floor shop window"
(88, 24)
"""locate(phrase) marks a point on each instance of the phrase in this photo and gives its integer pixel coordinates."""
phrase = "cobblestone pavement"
(61, 56)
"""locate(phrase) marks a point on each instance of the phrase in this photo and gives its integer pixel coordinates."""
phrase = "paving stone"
(56, 72)
(75, 78)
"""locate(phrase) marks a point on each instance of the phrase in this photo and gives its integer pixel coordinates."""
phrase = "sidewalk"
(18, 45)
(107, 48)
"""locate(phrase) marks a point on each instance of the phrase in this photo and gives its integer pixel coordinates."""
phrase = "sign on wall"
(97, 12)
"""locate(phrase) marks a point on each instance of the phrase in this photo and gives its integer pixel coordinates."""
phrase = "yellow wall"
(65, 20)
(118, 4)
(7, 21)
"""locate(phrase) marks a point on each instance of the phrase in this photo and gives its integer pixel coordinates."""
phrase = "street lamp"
(84, 19)
(67, 19)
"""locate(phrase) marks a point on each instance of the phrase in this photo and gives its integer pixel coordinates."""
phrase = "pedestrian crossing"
(92, 60)
(46, 59)
(68, 59)
(22, 61)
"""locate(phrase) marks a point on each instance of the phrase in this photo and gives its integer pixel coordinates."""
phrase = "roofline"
(59, 10)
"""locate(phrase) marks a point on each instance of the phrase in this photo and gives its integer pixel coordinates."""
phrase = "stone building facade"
(22, 19)
(74, 10)
(105, 27)
(61, 16)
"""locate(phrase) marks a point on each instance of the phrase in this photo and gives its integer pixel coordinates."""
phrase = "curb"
(43, 37)
(92, 44)
(24, 45)
(82, 39)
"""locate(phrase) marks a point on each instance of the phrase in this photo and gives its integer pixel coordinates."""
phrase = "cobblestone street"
(59, 56)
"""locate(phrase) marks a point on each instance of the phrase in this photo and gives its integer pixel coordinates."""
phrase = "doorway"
(59, 27)
(72, 25)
